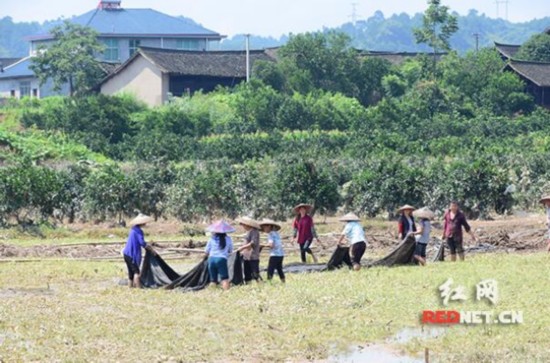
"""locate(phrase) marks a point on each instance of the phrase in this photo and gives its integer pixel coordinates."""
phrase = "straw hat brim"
(424, 214)
(406, 207)
(350, 217)
(220, 227)
(141, 219)
(544, 199)
(267, 222)
(248, 222)
(308, 207)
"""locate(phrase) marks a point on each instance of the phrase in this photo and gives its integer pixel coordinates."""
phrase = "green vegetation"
(69, 59)
(75, 311)
(339, 131)
(537, 48)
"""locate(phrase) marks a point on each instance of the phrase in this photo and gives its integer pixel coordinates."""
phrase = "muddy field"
(509, 235)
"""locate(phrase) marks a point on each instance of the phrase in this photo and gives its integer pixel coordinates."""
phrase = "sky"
(273, 17)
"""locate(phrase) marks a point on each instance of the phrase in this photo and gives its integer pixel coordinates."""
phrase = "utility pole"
(353, 15)
(477, 35)
(505, 3)
(247, 57)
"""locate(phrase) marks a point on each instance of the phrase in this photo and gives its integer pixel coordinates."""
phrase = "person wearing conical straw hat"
(545, 200)
(454, 221)
(406, 225)
(304, 230)
(250, 249)
(132, 249)
(274, 242)
(355, 235)
(218, 248)
(423, 215)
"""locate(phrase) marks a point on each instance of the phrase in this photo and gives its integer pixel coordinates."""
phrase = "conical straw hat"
(308, 207)
(424, 213)
(269, 222)
(405, 207)
(140, 219)
(247, 221)
(350, 217)
(544, 198)
(220, 226)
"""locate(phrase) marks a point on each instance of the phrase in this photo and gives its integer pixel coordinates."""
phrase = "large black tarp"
(155, 273)
(401, 255)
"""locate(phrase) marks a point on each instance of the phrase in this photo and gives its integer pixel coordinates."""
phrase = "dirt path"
(516, 234)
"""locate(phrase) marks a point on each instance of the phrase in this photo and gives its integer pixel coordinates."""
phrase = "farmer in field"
(546, 202)
(132, 250)
(274, 242)
(454, 221)
(424, 215)
(251, 249)
(304, 230)
(406, 225)
(355, 235)
(218, 249)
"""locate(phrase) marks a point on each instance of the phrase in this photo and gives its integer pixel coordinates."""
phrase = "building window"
(134, 45)
(35, 92)
(111, 49)
(188, 44)
(12, 93)
(24, 89)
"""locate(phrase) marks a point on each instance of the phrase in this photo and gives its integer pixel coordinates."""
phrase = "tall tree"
(437, 27)
(537, 48)
(70, 58)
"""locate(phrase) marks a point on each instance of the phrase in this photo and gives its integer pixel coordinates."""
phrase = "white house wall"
(141, 78)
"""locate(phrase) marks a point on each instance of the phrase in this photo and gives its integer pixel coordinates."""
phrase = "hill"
(378, 32)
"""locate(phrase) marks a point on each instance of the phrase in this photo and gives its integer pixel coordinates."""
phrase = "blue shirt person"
(132, 249)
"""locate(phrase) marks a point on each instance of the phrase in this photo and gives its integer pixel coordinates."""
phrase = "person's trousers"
(275, 264)
(305, 247)
(251, 270)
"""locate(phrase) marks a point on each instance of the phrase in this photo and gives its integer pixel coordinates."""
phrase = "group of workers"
(220, 245)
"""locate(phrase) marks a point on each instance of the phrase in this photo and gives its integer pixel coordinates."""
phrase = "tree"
(437, 27)
(70, 59)
(320, 61)
(537, 49)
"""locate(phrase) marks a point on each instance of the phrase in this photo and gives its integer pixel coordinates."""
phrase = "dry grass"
(84, 315)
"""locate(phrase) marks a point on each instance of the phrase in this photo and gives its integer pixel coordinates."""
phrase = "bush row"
(268, 187)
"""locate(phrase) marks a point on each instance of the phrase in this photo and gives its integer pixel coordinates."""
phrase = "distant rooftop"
(396, 57)
(19, 69)
(110, 19)
(230, 64)
(536, 72)
(507, 50)
(6, 62)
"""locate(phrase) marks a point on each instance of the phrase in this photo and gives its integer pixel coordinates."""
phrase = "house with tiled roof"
(507, 51)
(122, 31)
(154, 74)
(536, 76)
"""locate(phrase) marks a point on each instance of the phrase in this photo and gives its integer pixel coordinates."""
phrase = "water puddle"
(407, 334)
(374, 353)
(384, 353)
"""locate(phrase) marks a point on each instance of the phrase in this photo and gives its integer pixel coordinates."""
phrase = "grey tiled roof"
(536, 72)
(396, 57)
(507, 50)
(198, 63)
